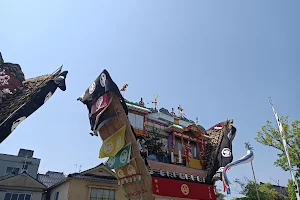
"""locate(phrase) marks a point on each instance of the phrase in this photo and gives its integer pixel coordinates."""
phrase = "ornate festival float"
(20, 97)
(156, 154)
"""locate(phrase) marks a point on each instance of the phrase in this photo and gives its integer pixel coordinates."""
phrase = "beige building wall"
(63, 190)
(21, 184)
(80, 189)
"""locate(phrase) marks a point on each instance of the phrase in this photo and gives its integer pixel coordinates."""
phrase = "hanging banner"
(280, 128)
(172, 157)
(179, 156)
(105, 119)
(122, 158)
(225, 153)
(182, 189)
(102, 84)
(127, 170)
(245, 159)
(99, 103)
(98, 110)
(112, 145)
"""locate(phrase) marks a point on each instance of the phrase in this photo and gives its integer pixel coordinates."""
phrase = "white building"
(18, 175)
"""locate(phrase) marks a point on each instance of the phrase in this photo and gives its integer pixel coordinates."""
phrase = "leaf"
(269, 135)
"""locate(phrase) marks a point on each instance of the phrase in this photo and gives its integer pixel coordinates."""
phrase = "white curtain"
(139, 122)
(131, 118)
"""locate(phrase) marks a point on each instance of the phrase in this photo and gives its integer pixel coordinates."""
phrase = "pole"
(255, 181)
(279, 125)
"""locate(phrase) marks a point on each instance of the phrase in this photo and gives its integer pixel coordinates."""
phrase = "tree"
(270, 136)
(153, 142)
(291, 190)
(219, 194)
(248, 188)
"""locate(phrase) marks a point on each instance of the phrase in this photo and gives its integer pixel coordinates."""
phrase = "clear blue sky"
(218, 60)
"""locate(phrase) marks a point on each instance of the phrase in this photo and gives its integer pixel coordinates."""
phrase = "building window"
(102, 194)
(24, 168)
(137, 121)
(177, 145)
(194, 149)
(12, 170)
(16, 196)
(56, 196)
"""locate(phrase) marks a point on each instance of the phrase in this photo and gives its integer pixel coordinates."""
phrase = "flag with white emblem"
(112, 145)
(280, 128)
(127, 170)
(98, 88)
(225, 153)
(121, 159)
(27, 97)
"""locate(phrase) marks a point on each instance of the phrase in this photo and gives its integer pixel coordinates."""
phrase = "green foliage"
(291, 190)
(220, 196)
(270, 136)
(152, 140)
(248, 146)
(247, 188)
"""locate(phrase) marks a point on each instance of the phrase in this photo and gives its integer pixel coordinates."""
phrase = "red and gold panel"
(182, 189)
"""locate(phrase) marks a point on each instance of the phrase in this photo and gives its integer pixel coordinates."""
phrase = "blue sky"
(218, 60)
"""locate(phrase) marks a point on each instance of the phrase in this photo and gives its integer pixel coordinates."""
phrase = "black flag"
(99, 88)
(225, 153)
(27, 100)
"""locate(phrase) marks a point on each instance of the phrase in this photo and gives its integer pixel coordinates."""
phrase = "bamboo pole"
(255, 181)
(249, 147)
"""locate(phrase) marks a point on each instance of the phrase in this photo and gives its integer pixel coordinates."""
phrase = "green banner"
(121, 159)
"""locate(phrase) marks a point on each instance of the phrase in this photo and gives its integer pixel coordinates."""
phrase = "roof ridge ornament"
(197, 121)
(155, 101)
(180, 111)
(141, 103)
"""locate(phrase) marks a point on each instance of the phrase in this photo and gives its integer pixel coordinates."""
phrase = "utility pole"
(280, 129)
(249, 147)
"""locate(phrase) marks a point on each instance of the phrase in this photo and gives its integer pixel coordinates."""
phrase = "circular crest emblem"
(108, 148)
(120, 173)
(111, 161)
(226, 152)
(119, 141)
(185, 189)
(131, 170)
(16, 123)
(48, 96)
(124, 156)
(102, 79)
(92, 88)
(99, 101)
